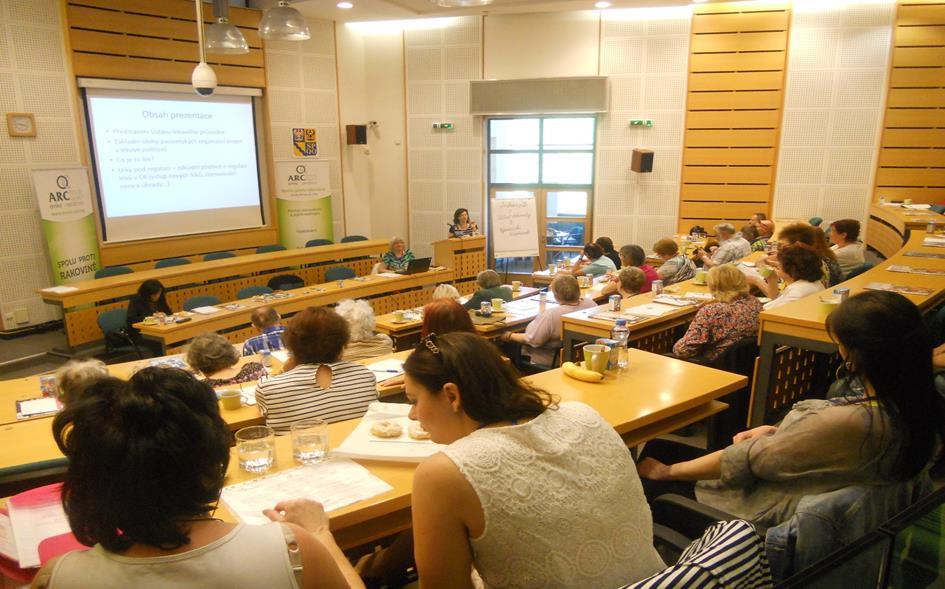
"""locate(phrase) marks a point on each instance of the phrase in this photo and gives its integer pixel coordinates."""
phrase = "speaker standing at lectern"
(462, 226)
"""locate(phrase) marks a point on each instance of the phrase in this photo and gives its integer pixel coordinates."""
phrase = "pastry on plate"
(416, 431)
(387, 428)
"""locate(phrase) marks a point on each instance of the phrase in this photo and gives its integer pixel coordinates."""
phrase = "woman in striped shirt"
(316, 382)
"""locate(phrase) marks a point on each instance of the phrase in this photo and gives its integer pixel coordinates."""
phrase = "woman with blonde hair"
(73, 377)
(397, 258)
(732, 316)
(629, 282)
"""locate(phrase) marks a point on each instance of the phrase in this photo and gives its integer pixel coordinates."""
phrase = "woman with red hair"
(445, 316)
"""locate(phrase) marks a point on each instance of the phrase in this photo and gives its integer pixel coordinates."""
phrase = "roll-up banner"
(303, 201)
(65, 206)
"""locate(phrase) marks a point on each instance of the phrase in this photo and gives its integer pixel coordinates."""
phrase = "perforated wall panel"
(839, 56)
(645, 57)
(302, 93)
(444, 167)
(32, 79)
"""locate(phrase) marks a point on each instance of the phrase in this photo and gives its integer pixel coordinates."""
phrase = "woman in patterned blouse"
(731, 317)
(462, 225)
(398, 257)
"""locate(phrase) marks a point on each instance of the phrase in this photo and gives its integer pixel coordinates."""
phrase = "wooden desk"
(654, 395)
(407, 333)
(890, 226)
(781, 378)
(322, 294)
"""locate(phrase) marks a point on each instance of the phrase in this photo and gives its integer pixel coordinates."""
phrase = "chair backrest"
(729, 555)
(339, 273)
(739, 357)
(251, 291)
(285, 282)
(318, 242)
(348, 238)
(826, 521)
(113, 271)
(112, 320)
(815, 221)
(168, 262)
(200, 301)
(264, 249)
(218, 256)
(859, 270)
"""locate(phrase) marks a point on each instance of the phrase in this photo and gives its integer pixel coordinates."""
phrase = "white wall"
(34, 77)
(838, 59)
(550, 45)
(645, 54)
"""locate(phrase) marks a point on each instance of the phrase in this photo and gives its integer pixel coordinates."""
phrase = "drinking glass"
(309, 441)
(256, 448)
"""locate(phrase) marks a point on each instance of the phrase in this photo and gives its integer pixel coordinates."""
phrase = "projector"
(204, 80)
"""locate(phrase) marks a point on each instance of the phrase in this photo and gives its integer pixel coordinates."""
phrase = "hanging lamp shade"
(223, 38)
(283, 23)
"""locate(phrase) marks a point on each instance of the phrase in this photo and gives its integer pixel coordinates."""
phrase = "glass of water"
(309, 441)
(256, 448)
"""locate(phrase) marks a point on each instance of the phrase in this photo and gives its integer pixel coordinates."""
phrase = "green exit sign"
(641, 123)
(442, 125)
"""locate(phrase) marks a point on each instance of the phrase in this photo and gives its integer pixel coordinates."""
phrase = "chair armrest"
(669, 543)
(686, 516)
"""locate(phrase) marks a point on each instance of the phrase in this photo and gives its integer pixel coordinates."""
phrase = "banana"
(575, 371)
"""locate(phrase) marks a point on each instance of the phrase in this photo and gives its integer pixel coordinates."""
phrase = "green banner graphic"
(303, 202)
(65, 206)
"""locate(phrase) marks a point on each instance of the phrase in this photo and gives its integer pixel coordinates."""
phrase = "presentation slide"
(170, 164)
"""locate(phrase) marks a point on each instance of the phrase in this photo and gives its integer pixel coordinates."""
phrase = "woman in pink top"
(633, 255)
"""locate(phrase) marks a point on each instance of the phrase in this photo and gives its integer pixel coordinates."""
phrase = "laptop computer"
(416, 266)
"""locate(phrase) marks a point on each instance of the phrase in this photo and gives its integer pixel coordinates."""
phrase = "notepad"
(385, 369)
(334, 483)
(34, 516)
(900, 288)
(207, 310)
(914, 270)
(650, 310)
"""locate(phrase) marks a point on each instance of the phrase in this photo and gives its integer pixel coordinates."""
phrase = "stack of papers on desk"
(675, 301)
(900, 288)
(334, 483)
(913, 270)
(208, 310)
(388, 274)
(34, 516)
(917, 207)
(60, 289)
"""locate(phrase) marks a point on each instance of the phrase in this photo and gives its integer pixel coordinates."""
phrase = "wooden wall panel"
(156, 41)
(912, 155)
(736, 85)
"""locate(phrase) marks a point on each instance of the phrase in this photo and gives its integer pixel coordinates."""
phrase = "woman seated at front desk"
(397, 258)
(149, 299)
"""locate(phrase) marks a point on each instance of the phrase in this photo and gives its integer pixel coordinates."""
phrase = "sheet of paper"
(7, 542)
(674, 301)
(207, 310)
(650, 310)
(388, 274)
(60, 289)
(933, 241)
(900, 288)
(917, 207)
(385, 369)
(925, 255)
(913, 270)
(334, 483)
(41, 406)
(699, 296)
(281, 355)
(32, 524)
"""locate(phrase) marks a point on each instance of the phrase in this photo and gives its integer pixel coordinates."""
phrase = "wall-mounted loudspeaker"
(357, 134)
(642, 160)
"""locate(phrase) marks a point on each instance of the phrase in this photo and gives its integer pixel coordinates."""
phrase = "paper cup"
(516, 285)
(700, 276)
(400, 316)
(829, 304)
(497, 304)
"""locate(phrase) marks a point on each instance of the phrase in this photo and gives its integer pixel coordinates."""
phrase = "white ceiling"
(367, 10)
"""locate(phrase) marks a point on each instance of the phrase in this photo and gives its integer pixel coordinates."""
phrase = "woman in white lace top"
(527, 493)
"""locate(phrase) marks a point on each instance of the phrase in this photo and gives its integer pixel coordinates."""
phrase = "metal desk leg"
(763, 380)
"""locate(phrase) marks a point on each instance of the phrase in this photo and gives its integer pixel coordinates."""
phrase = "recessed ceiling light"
(345, 5)
(602, 4)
